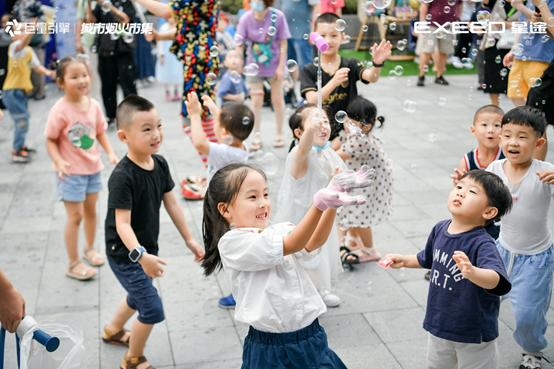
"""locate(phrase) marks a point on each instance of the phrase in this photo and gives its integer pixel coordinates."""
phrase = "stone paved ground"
(379, 321)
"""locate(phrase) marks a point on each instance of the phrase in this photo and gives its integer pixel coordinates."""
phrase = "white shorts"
(445, 354)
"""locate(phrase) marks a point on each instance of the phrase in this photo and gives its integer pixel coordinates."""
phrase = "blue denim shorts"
(142, 296)
(76, 187)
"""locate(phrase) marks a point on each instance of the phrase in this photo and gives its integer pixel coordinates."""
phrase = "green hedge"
(351, 7)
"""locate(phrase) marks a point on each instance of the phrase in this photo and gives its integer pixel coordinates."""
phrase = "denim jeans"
(16, 102)
(531, 277)
(301, 51)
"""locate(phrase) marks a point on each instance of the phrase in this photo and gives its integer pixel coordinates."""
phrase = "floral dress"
(196, 22)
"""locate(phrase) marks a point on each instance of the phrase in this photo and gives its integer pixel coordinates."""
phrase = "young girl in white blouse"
(274, 294)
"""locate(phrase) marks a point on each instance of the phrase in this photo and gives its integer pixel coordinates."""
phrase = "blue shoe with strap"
(227, 302)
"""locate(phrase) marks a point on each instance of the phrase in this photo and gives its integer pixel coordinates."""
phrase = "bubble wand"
(321, 45)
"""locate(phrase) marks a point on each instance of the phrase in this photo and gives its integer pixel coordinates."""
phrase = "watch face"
(134, 254)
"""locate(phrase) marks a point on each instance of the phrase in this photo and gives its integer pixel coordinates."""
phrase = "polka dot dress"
(366, 150)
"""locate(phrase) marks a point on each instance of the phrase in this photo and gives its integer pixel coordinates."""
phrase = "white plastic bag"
(69, 354)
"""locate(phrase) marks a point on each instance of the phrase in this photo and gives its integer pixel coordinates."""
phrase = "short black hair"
(365, 112)
(526, 116)
(236, 118)
(497, 192)
(329, 18)
(127, 109)
(488, 109)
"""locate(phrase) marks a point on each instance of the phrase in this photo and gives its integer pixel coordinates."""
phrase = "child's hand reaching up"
(196, 249)
(327, 199)
(192, 103)
(151, 265)
(347, 181)
(209, 103)
(463, 263)
(381, 52)
(546, 176)
(457, 175)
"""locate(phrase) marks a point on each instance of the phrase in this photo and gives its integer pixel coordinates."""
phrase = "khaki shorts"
(443, 354)
(430, 40)
(521, 74)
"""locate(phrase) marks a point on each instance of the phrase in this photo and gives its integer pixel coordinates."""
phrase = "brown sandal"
(134, 362)
(85, 274)
(93, 257)
(116, 339)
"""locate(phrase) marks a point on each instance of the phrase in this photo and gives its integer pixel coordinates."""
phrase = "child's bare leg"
(139, 335)
(366, 235)
(494, 99)
(257, 89)
(121, 316)
(342, 236)
(278, 100)
(90, 219)
(74, 217)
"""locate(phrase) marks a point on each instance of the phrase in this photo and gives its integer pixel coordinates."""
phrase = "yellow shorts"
(519, 79)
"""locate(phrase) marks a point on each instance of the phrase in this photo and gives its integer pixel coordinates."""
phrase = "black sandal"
(344, 257)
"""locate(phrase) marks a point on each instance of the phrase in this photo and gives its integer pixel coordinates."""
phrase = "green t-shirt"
(87, 38)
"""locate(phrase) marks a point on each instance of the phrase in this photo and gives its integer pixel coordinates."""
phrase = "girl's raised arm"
(299, 166)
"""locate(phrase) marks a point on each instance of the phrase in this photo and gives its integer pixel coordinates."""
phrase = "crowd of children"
(336, 172)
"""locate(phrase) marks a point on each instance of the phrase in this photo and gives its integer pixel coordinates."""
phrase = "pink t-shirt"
(76, 131)
(329, 6)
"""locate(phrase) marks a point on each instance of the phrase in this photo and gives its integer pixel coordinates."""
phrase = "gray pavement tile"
(398, 325)
(199, 345)
(220, 364)
(186, 315)
(410, 354)
(367, 356)
(414, 228)
(348, 330)
(417, 287)
(26, 225)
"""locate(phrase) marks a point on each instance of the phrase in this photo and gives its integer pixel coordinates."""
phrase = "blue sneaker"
(227, 302)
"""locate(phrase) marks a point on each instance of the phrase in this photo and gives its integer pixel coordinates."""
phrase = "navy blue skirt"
(303, 349)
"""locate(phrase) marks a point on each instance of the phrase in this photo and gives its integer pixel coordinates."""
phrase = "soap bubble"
(365, 28)
(344, 224)
(214, 52)
(392, 26)
(261, 30)
(270, 164)
(341, 116)
(428, 17)
(340, 25)
(292, 65)
(258, 155)
(399, 70)
(346, 40)
(518, 49)
(389, 164)
(271, 31)
(469, 97)
(401, 45)
(510, 65)
(315, 62)
(246, 121)
(483, 16)
(498, 59)
(257, 138)
(114, 36)
(545, 39)
(408, 82)
(474, 52)
(514, 84)
(503, 72)
(274, 17)
(426, 68)
(211, 78)
(106, 6)
(353, 129)
(235, 76)
(306, 36)
(251, 69)
(392, 74)
(81, 57)
(413, 168)
(442, 101)
(228, 140)
(466, 61)
(381, 4)
(535, 82)
(447, 9)
(128, 38)
(432, 137)
(440, 34)
(238, 39)
(451, 2)
(409, 106)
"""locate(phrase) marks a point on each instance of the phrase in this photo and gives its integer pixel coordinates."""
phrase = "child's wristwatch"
(136, 253)
(378, 65)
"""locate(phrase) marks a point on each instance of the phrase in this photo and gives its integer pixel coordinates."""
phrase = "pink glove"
(347, 181)
(327, 199)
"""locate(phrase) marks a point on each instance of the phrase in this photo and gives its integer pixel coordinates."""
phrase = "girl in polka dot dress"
(360, 147)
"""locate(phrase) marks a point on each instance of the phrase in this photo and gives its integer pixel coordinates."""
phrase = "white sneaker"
(449, 60)
(329, 299)
(457, 63)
